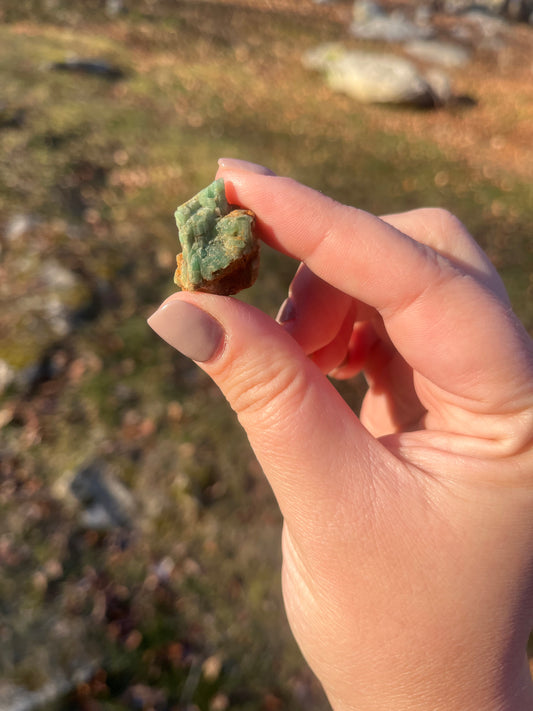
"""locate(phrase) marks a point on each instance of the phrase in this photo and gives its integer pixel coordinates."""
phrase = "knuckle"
(265, 395)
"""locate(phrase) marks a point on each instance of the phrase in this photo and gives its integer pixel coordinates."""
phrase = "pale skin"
(408, 528)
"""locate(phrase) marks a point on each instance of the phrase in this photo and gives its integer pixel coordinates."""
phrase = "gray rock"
(396, 27)
(488, 32)
(45, 297)
(56, 277)
(461, 6)
(105, 502)
(43, 657)
(488, 23)
(114, 8)
(60, 285)
(445, 54)
(17, 698)
(366, 10)
(370, 77)
(96, 67)
(462, 33)
(423, 15)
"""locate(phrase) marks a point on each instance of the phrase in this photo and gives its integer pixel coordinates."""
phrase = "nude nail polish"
(287, 312)
(244, 165)
(188, 329)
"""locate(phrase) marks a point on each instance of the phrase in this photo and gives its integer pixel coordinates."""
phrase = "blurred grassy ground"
(184, 605)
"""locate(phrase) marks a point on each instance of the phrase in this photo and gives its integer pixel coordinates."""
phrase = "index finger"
(443, 321)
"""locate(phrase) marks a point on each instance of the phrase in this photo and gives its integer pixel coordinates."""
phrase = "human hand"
(407, 557)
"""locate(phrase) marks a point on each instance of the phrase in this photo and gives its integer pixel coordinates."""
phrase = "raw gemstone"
(220, 252)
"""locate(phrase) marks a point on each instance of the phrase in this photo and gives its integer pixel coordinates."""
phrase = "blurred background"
(139, 542)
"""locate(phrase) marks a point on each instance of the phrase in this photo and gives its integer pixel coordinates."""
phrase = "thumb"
(303, 433)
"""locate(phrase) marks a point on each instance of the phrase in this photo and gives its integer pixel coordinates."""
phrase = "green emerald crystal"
(220, 252)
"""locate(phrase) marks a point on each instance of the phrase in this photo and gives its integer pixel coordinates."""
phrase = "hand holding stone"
(407, 572)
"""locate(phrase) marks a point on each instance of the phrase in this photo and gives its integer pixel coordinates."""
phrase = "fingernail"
(188, 329)
(287, 312)
(244, 165)
(337, 369)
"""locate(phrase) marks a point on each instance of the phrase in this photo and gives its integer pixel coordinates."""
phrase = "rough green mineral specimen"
(220, 253)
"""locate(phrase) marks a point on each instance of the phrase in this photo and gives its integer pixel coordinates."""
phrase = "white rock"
(56, 276)
(487, 25)
(445, 54)
(370, 77)
(57, 316)
(322, 56)
(18, 226)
